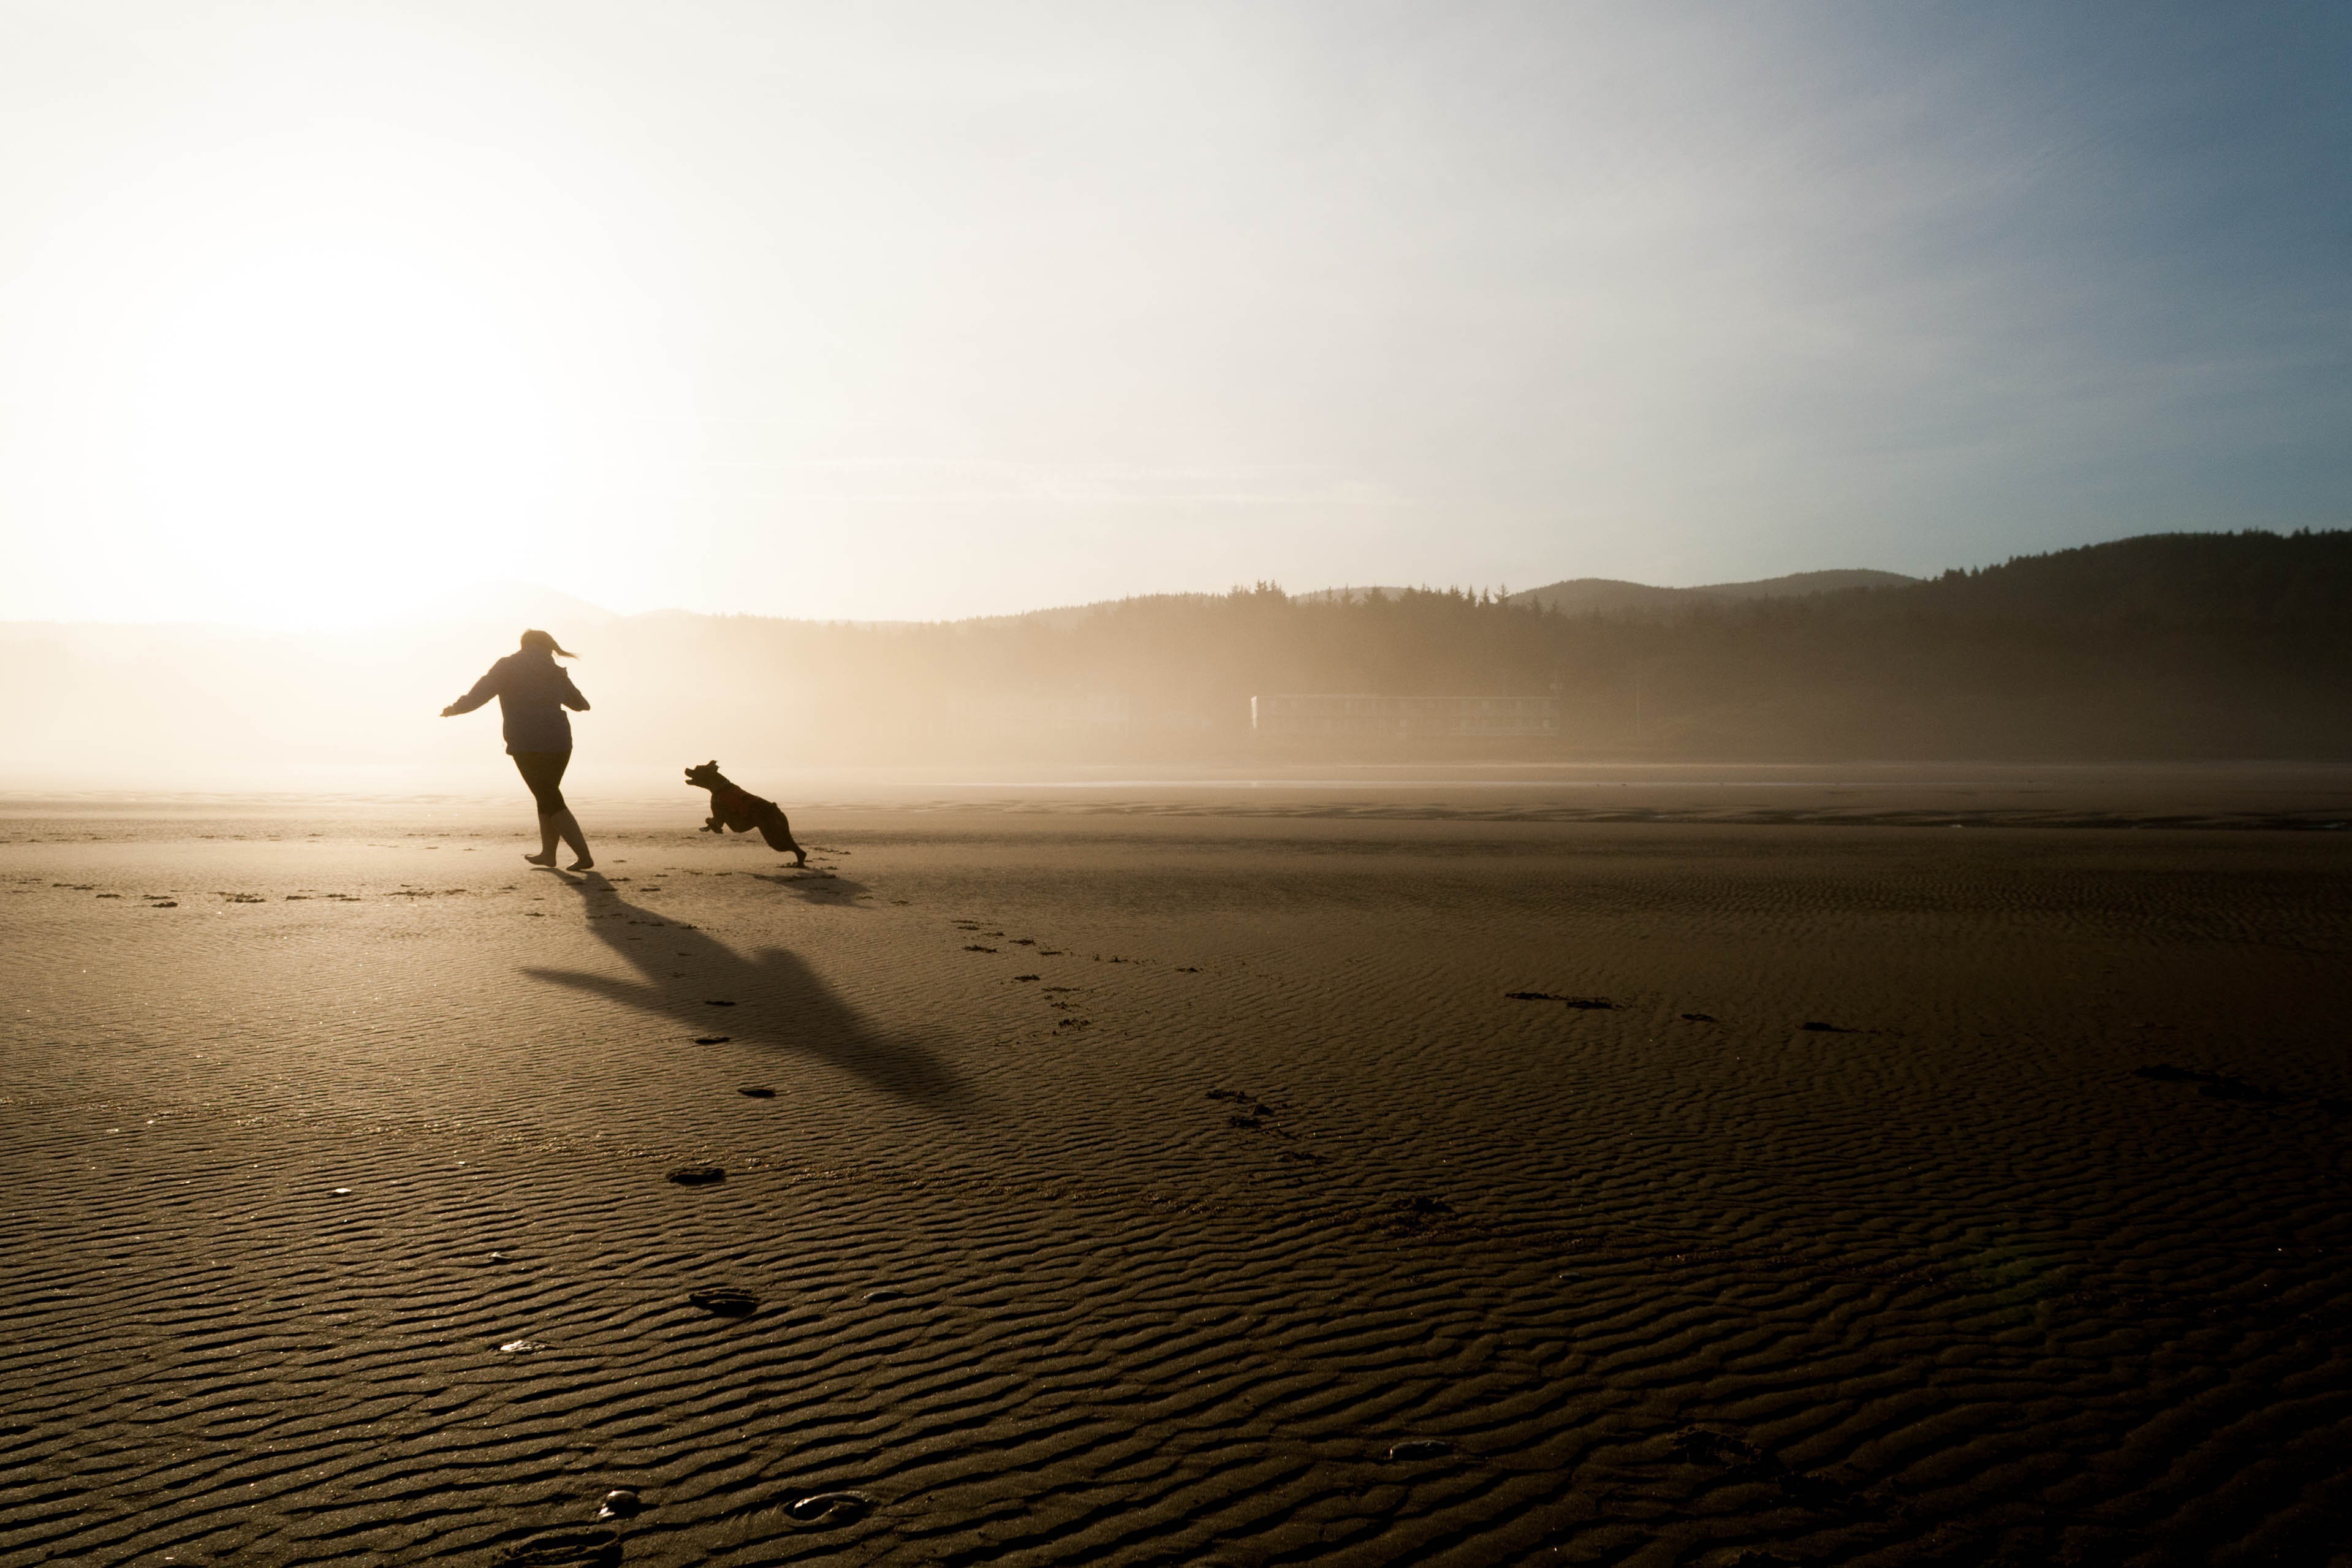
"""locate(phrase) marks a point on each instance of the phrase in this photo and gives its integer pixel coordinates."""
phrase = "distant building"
(1403, 715)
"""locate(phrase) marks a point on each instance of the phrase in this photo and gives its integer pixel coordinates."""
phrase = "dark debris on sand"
(2228, 1086)
(829, 1509)
(698, 1176)
(725, 1300)
(1586, 1004)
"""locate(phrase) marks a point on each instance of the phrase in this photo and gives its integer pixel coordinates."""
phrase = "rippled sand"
(1175, 1182)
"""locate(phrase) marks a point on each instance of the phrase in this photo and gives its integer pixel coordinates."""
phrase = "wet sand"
(1173, 1178)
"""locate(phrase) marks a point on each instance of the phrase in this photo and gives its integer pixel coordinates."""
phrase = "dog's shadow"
(819, 887)
(779, 1001)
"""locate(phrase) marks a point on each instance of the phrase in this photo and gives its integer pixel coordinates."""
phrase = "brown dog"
(731, 806)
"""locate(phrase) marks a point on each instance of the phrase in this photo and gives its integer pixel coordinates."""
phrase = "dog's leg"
(784, 830)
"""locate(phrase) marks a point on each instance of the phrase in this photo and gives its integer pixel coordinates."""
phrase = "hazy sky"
(312, 311)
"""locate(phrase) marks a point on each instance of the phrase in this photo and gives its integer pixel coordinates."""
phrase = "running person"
(533, 690)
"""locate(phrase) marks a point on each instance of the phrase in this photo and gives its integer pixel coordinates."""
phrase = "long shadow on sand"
(826, 890)
(778, 1000)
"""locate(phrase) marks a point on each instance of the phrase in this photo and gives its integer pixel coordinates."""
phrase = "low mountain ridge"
(1606, 595)
(2167, 646)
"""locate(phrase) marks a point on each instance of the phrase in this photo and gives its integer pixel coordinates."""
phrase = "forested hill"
(2215, 646)
(2170, 646)
(2178, 581)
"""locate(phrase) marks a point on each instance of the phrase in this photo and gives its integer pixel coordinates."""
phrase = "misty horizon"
(2167, 647)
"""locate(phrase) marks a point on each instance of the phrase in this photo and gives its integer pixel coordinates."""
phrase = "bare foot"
(548, 861)
(583, 863)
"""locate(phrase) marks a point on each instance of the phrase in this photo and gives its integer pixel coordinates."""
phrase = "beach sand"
(1169, 1177)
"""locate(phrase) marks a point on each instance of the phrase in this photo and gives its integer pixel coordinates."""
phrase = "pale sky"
(319, 311)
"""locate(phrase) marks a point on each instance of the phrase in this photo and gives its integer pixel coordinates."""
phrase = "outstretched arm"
(484, 690)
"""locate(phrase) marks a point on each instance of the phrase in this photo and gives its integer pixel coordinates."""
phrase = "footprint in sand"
(559, 1549)
(708, 1003)
(726, 1302)
(1411, 1215)
(1698, 1446)
(829, 1509)
(1698, 1018)
(1251, 1114)
(1815, 1026)
(757, 1093)
(698, 1176)
(2221, 1086)
(712, 1039)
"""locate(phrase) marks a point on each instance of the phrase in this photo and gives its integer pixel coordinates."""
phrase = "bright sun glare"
(327, 432)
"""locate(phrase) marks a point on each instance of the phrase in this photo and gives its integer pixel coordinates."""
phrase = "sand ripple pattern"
(1315, 1246)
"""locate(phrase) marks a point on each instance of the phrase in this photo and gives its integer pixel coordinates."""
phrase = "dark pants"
(543, 771)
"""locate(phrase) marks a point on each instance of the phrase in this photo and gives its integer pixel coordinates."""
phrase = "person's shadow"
(778, 1000)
